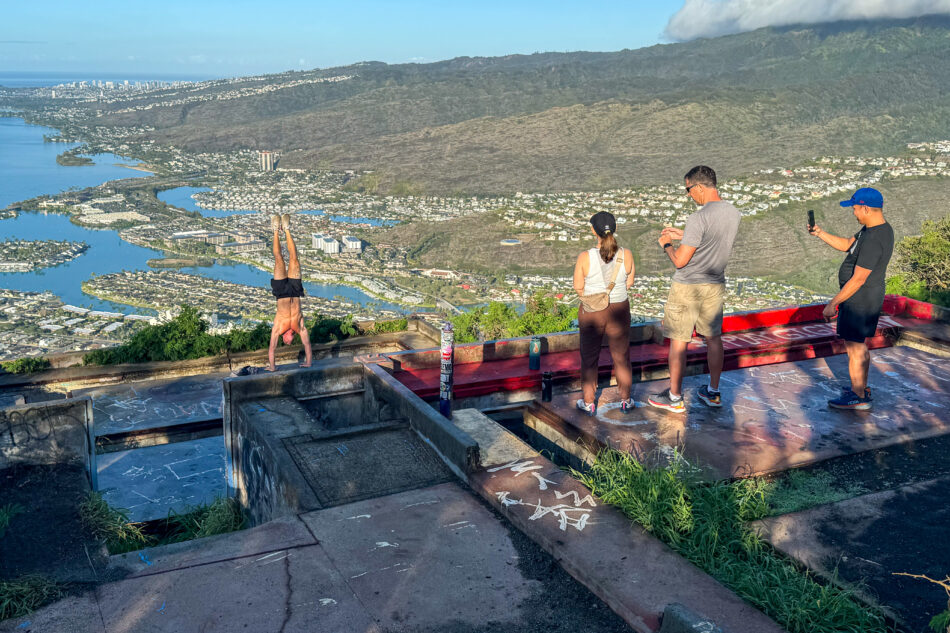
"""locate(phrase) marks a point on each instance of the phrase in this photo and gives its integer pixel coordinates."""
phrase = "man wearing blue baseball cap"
(861, 277)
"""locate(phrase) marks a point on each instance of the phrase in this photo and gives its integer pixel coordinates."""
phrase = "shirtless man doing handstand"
(287, 289)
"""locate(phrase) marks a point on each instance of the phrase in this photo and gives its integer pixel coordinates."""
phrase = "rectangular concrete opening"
(337, 433)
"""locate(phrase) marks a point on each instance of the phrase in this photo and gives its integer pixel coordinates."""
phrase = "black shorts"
(285, 288)
(856, 323)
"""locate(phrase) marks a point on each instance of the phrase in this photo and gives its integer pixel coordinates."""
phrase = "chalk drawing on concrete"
(519, 468)
(567, 515)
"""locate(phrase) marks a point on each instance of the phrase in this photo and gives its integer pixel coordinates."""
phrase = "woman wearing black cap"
(602, 276)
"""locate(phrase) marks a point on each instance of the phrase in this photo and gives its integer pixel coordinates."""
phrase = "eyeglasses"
(690, 187)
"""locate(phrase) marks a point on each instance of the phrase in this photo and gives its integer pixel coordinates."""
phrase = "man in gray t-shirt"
(711, 231)
(699, 286)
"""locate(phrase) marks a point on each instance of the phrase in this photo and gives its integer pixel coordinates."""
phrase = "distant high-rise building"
(352, 244)
(330, 245)
(268, 161)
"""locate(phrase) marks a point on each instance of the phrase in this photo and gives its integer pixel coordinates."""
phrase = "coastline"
(138, 167)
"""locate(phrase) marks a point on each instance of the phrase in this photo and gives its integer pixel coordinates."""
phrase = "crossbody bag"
(600, 300)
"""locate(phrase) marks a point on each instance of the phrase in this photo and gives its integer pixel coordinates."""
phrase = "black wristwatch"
(666, 246)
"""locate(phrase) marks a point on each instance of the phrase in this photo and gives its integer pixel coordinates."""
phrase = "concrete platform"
(153, 404)
(149, 482)
(287, 590)
(403, 555)
(436, 560)
(774, 417)
(867, 539)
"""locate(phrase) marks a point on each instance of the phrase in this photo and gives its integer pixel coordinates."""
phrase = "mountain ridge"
(461, 125)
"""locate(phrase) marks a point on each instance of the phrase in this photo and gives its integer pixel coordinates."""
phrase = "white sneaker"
(589, 409)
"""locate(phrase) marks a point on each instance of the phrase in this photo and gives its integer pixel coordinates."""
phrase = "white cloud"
(711, 18)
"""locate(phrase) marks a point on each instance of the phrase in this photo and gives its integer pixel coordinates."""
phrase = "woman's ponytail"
(608, 247)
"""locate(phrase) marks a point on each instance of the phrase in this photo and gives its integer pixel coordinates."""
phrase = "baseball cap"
(603, 223)
(867, 196)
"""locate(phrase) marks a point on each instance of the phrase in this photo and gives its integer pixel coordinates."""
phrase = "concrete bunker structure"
(339, 432)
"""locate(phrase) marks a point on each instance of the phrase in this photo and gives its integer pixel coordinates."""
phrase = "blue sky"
(217, 38)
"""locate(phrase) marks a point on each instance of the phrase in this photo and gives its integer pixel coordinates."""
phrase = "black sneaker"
(867, 392)
(664, 401)
(850, 400)
(711, 398)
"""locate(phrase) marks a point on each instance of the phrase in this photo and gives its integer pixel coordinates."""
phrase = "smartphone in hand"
(811, 219)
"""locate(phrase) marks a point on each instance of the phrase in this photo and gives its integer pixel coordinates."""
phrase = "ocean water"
(28, 168)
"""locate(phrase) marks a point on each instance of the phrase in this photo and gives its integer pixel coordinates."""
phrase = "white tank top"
(598, 271)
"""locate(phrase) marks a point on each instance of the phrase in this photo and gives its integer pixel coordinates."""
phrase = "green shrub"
(184, 337)
(387, 327)
(707, 524)
(922, 264)
(542, 315)
(325, 329)
(26, 365)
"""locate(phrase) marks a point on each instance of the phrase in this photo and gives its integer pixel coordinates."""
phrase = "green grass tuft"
(707, 524)
(223, 515)
(111, 525)
(940, 623)
(7, 513)
(24, 595)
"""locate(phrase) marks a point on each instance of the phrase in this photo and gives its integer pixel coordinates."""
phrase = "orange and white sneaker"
(666, 401)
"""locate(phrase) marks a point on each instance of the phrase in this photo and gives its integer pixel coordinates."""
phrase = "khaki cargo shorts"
(693, 306)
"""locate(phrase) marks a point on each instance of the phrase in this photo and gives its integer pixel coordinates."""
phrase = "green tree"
(26, 365)
(923, 264)
(542, 315)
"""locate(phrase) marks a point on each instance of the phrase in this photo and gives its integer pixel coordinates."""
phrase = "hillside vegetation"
(590, 120)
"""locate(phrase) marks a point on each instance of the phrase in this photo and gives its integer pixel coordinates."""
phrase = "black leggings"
(614, 321)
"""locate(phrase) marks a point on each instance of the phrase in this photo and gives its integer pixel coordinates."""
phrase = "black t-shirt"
(871, 249)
